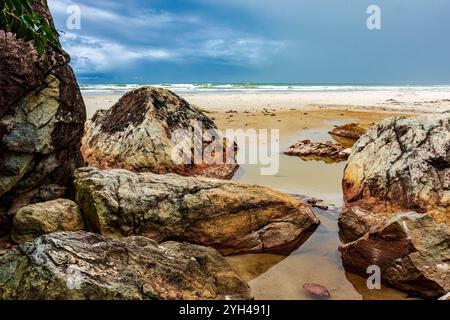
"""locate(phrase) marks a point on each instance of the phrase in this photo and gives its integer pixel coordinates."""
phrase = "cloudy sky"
(309, 41)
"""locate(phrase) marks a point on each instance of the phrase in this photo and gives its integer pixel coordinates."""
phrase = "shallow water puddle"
(317, 260)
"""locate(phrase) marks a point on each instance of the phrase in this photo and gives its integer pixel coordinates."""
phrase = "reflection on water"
(318, 259)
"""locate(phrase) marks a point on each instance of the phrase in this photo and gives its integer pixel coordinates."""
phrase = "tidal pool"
(318, 259)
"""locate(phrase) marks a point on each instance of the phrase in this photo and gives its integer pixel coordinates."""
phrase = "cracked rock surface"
(232, 217)
(42, 117)
(136, 134)
(399, 165)
(86, 266)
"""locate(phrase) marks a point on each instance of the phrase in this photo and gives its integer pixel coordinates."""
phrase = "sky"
(257, 41)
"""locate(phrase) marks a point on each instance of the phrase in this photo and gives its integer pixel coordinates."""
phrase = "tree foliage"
(19, 18)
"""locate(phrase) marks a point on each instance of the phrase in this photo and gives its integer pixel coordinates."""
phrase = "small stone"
(317, 290)
(324, 151)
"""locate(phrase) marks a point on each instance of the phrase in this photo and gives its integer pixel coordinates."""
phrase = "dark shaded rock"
(136, 134)
(85, 266)
(232, 217)
(325, 151)
(317, 203)
(412, 251)
(42, 117)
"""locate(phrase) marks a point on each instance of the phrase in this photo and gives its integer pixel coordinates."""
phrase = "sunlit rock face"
(139, 133)
(42, 117)
(399, 165)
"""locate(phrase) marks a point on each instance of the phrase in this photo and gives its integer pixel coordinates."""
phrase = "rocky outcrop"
(325, 151)
(400, 165)
(412, 251)
(232, 217)
(42, 117)
(139, 132)
(38, 219)
(351, 130)
(84, 266)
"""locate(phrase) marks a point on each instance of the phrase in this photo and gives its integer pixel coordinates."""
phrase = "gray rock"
(399, 165)
(85, 266)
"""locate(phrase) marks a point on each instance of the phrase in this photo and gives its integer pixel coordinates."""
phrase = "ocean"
(194, 88)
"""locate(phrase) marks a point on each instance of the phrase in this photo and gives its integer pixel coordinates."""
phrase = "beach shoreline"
(371, 101)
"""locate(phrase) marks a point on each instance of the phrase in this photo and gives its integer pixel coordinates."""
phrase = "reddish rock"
(317, 290)
(411, 250)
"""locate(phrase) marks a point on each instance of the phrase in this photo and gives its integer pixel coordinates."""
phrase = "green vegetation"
(19, 18)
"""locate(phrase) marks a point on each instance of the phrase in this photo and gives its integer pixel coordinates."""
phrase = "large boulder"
(85, 266)
(42, 117)
(399, 165)
(411, 250)
(232, 217)
(138, 134)
(38, 219)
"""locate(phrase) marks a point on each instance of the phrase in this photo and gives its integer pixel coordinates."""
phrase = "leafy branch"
(19, 18)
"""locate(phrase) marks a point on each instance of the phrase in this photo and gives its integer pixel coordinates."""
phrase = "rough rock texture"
(327, 151)
(351, 130)
(85, 266)
(400, 165)
(38, 219)
(136, 134)
(232, 217)
(412, 251)
(42, 117)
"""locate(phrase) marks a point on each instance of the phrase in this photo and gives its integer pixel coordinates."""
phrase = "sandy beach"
(394, 101)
